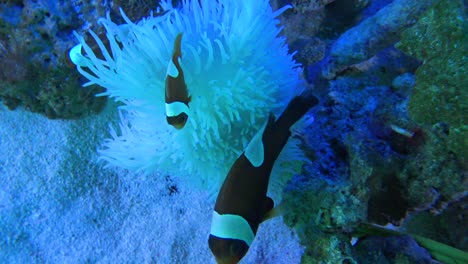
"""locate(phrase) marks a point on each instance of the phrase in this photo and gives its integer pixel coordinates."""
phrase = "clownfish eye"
(183, 118)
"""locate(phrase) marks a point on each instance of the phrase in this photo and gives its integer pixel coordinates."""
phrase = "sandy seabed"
(58, 204)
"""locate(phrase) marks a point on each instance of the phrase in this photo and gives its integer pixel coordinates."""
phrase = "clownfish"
(177, 97)
(242, 203)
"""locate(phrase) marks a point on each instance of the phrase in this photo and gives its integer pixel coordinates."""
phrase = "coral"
(440, 95)
(320, 212)
(309, 51)
(340, 15)
(34, 36)
(440, 227)
(55, 93)
(394, 249)
(327, 248)
(235, 74)
(371, 161)
(404, 82)
(358, 173)
(136, 9)
(368, 38)
(60, 99)
(433, 177)
(363, 147)
(297, 27)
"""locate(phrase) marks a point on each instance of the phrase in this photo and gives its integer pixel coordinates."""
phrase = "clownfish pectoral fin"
(268, 204)
(274, 212)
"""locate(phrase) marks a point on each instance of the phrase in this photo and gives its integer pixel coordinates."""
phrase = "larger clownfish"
(177, 97)
(242, 203)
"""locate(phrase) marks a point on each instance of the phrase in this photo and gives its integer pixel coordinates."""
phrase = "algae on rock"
(440, 40)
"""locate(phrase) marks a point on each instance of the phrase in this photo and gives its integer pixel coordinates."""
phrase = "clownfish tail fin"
(297, 108)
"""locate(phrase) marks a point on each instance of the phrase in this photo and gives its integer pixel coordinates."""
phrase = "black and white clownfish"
(242, 203)
(177, 97)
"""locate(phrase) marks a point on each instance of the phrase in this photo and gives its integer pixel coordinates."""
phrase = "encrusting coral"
(33, 37)
(369, 37)
(440, 95)
(237, 70)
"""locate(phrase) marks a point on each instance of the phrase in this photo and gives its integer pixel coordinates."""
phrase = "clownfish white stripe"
(172, 69)
(176, 108)
(232, 227)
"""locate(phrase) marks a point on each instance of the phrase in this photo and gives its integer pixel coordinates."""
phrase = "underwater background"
(95, 174)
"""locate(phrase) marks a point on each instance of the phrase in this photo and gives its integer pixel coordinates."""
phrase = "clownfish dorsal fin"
(172, 68)
(273, 211)
(255, 151)
(177, 46)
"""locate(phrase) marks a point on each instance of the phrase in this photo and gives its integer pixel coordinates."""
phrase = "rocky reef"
(34, 38)
(440, 96)
(389, 141)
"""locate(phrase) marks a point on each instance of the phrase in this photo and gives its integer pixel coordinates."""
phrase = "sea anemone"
(237, 69)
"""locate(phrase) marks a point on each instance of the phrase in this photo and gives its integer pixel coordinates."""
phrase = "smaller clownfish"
(177, 97)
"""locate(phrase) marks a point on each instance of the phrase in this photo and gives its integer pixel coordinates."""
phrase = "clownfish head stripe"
(232, 227)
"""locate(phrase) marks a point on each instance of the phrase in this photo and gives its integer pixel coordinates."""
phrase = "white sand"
(58, 205)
